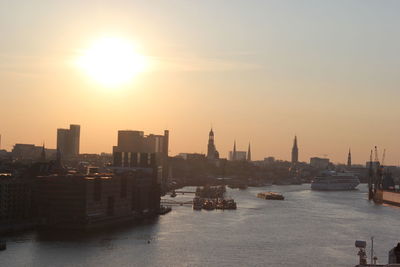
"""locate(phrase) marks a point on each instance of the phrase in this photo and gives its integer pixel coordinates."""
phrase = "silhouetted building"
(295, 151)
(88, 201)
(4, 154)
(212, 153)
(136, 141)
(375, 164)
(15, 202)
(269, 160)
(319, 163)
(192, 156)
(68, 141)
(130, 143)
(237, 155)
(29, 152)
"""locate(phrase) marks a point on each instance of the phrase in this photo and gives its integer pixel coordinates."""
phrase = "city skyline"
(293, 155)
(236, 67)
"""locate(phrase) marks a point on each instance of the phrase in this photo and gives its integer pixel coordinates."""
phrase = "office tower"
(134, 142)
(68, 140)
(75, 133)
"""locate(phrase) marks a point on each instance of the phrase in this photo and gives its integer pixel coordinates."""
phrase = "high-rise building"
(75, 133)
(212, 152)
(136, 141)
(68, 140)
(131, 144)
(295, 151)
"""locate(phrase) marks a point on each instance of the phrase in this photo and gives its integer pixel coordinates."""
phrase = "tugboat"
(230, 204)
(197, 203)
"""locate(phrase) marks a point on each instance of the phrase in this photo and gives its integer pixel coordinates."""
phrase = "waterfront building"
(295, 151)
(4, 154)
(95, 200)
(68, 141)
(15, 202)
(319, 163)
(212, 153)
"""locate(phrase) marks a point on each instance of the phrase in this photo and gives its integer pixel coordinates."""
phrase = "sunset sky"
(258, 71)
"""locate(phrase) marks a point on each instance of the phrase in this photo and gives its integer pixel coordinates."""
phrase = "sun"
(112, 61)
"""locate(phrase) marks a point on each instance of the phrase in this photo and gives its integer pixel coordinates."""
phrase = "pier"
(171, 202)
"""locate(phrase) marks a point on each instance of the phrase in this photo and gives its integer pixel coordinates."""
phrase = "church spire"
(349, 158)
(295, 151)
(43, 154)
(211, 150)
(249, 153)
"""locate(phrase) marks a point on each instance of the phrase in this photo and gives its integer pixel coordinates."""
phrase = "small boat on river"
(271, 196)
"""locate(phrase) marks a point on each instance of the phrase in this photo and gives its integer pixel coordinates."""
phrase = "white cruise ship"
(331, 180)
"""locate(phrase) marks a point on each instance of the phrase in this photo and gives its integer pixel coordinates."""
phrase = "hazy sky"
(259, 71)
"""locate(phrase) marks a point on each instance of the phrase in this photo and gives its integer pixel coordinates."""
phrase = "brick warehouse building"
(88, 201)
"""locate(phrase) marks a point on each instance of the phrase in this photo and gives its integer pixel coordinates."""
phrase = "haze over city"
(259, 72)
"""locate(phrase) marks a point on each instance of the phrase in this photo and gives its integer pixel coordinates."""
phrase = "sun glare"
(112, 62)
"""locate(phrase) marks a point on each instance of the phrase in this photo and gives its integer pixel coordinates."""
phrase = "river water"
(308, 228)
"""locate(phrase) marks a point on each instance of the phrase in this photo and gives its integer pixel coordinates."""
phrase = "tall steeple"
(295, 151)
(249, 153)
(349, 159)
(211, 150)
(234, 151)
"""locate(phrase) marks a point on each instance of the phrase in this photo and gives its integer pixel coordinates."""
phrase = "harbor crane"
(383, 157)
(376, 154)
